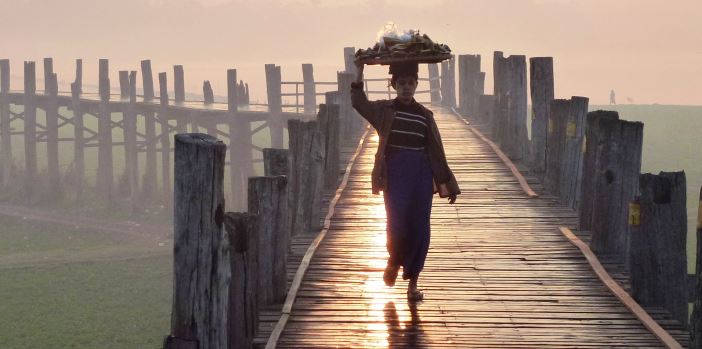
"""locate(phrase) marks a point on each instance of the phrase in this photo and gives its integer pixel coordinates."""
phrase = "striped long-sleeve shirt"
(409, 127)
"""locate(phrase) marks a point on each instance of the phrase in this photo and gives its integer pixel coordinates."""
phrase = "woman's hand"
(452, 199)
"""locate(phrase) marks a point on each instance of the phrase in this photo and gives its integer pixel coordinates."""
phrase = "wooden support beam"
(434, 83)
(306, 174)
(349, 57)
(267, 199)
(310, 89)
(486, 109)
(347, 114)
(201, 252)
(79, 77)
(448, 82)
(572, 160)
(30, 132)
(468, 84)
(131, 160)
(52, 133)
(48, 72)
(542, 93)
(555, 149)
(232, 91)
(166, 187)
(328, 119)
(78, 143)
(275, 162)
(5, 127)
(207, 93)
(517, 143)
(273, 89)
(658, 223)
(147, 80)
(179, 83)
(105, 175)
(123, 84)
(500, 89)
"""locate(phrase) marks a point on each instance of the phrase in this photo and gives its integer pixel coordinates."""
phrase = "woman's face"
(405, 87)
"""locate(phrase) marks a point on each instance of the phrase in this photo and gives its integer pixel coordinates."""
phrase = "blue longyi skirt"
(408, 198)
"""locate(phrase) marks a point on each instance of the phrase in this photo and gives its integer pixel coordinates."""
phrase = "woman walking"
(410, 166)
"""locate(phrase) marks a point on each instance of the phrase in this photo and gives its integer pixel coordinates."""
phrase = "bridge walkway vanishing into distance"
(503, 269)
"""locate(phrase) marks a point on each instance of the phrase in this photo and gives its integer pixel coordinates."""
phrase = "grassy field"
(67, 289)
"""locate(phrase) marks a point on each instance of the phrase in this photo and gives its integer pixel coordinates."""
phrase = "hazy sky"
(650, 51)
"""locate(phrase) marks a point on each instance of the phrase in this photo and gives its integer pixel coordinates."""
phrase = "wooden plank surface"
(499, 272)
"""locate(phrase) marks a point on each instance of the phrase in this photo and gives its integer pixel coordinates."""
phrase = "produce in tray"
(412, 46)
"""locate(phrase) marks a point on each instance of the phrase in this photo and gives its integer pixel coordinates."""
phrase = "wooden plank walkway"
(499, 272)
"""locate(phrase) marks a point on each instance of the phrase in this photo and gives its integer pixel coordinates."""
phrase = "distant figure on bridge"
(612, 100)
(410, 166)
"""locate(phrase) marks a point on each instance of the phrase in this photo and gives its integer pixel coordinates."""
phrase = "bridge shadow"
(411, 335)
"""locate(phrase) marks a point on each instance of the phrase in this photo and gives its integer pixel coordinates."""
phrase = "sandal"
(390, 275)
(415, 295)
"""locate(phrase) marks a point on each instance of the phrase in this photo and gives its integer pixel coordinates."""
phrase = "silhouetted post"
(167, 189)
(105, 177)
(542, 93)
(349, 57)
(486, 109)
(268, 200)
(328, 119)
(275, 162)
(79, 76)
(5, 129)
(658, 246)
(696, 321)
(306, 174)
(131, 163)
(242, 316)
(207, 93)
(275, 104)
(310, 89)
(517, 142)
(210, 125)
(587, 185)
(149, 183)
(48, 72)
(123, 84)
(52, 136)
(617, 169)
(232, 91)
(500, 87)
(572, 160)
(201, 251)
(468, 84)
(179, 83)
(434, 83)
(557, 121)
(78, 143)
(30, 131)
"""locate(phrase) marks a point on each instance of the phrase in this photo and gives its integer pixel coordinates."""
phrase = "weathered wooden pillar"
(167, 189)
(105, 176)
(232, 91)
(468, 84)
(131, 162)
(572, 159)
(331, 97)
(500, 89)
(542, 93)
(658, 244)
(123, 84)
(349, 58)
(48, 73)
(448, 82)
(268, 199)
(240, 148)
(207, 93)
(201, 252)
(486, 109)
(275, 104)
(78, 144)
(347, 115)
(310, 89)
(149, 186)
(275, 162)
(179, 83)
(242, 312)
(328, 119)
(617, 169)
(555, 149)
(587, 184)
(306, 175)
(79, 76)
(517, 142)
(696, 321)
(5, 128)
(434, 83)
(30, 132)
(52, 135)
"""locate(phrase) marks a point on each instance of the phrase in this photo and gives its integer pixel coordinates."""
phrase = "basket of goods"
(407, 47)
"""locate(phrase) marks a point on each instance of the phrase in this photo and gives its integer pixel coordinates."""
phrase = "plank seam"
(619, 292)
(522, 181)
(302, 268)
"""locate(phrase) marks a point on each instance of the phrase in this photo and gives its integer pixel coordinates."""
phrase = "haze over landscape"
(648, 51)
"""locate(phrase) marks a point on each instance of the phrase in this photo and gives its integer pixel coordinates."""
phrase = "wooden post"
(48, 73)
(448, 82)
(331, 97)
(123, 84)
(346, 112)
(79, 76)
(486, 109)
(240, 165)
(557, 120)
(5, 128)
(349, 57)
(275, 162)
(587, 184)
(517, 142)
(201, 266)
(167, 189)
(306, 174)
(209, 125)
(696, 321)
(658, 246)
(131, 163)
(572, 158)
(207, 92)
(468, 83)
(268, 199)
(310, 89)
(179, 83)
(105, 177)
(617, 169)
(30, 132)
(52, 134)
(328, 119)
(273, 89)
(78, 143)
(542, 93)
(232, 91)
(500, 88)
(149, 185)
(243, 305)
(434, 83)
(248, 101)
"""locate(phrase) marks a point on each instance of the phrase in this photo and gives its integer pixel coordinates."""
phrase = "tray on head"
(405, 59)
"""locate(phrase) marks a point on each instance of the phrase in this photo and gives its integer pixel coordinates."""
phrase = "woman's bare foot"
(390, 274)
(414, 294)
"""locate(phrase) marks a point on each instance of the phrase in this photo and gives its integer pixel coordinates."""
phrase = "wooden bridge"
(500, 273)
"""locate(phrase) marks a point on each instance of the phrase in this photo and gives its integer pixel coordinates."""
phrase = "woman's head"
(404, 79)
